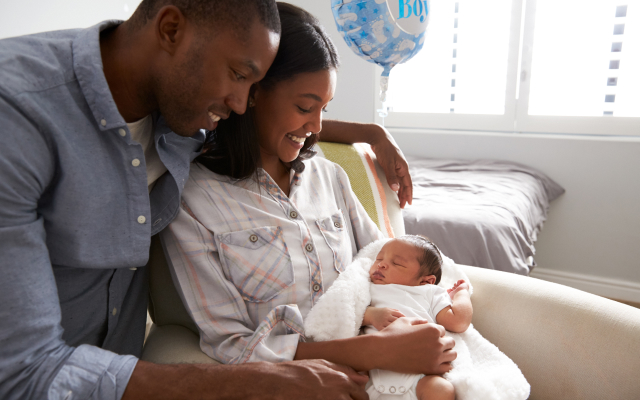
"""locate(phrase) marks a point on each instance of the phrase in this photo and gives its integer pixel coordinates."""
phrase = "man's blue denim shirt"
(76, 218)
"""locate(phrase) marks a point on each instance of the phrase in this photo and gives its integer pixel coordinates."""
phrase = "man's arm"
(313, 379)
(35, 363)
(407, 345)
(387, 152)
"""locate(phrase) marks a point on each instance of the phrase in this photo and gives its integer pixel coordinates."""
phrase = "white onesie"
(425, 302)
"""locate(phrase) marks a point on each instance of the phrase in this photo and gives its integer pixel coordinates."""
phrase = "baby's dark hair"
(430, 258)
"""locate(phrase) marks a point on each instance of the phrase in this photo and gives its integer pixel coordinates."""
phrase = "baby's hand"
(380, 318)
(458, 286)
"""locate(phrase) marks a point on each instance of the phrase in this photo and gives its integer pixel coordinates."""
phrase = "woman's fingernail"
(395, 187)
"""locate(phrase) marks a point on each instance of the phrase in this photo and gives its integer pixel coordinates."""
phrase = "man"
(99, 127)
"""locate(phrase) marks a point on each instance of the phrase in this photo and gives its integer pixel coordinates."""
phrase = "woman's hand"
(414, 346)
(387, 152)
(380, 318)
(392, 161)
(407, 345)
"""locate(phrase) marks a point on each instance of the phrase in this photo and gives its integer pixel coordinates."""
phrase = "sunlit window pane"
(586, 58)
(462, 67)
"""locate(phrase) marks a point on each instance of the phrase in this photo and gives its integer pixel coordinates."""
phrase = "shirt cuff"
(276, 338)
(92, 373)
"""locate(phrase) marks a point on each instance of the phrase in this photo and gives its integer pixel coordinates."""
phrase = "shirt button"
(122, 132)
(253, 238)
(114, 312)
(381, 389)
(392, 389)
(336, 224)
(135, 162)
(141, 219)
(103, 122)
(309, 247)
(316, 287)
(293, 214)
(133, 269)
(401, 389)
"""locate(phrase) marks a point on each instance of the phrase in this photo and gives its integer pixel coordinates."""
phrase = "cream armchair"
(569, 344)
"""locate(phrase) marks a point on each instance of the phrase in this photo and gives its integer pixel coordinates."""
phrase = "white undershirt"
(142, 132)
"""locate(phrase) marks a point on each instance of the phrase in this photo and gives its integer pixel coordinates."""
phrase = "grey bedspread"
(483, 213)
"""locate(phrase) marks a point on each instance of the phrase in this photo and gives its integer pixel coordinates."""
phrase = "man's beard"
(174, 95)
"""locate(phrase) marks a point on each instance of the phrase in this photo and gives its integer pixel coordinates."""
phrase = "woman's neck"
(278, 171)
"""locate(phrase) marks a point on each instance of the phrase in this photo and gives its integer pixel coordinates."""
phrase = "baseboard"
(606, 287)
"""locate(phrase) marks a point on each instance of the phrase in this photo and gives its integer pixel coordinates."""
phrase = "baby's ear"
(428, 280)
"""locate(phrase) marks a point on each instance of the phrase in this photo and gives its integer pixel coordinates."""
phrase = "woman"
(265, 229)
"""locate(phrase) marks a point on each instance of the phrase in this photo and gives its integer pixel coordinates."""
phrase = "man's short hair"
(234, 14)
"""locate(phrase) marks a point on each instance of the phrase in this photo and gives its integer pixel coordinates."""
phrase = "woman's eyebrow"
(311, 96)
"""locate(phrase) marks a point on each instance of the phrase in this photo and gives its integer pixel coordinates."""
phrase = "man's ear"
(170, 28)
(254, 90)
(428, 279)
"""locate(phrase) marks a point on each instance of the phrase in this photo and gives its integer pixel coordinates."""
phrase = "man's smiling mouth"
(214, 117)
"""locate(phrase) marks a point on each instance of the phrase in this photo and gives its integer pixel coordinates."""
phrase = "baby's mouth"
(378, 275)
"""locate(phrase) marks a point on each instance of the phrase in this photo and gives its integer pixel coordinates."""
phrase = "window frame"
(515, 118)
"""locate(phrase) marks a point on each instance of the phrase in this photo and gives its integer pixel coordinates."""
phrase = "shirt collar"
(87, 65)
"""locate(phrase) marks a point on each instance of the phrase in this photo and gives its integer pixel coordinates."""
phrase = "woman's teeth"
(296, 139)
(214, 118)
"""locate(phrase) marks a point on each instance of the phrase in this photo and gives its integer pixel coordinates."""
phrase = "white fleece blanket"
(481, 370)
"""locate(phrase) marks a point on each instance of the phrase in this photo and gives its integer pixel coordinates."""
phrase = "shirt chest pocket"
(257, 261)
(336, 235)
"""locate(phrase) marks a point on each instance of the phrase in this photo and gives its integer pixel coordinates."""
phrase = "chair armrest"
(569, 344)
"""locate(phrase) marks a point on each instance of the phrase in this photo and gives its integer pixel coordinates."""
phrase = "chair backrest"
(369, 184)
(165, 305)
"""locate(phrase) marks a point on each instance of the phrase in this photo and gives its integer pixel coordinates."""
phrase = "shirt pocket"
(336, 235)
(257, 261)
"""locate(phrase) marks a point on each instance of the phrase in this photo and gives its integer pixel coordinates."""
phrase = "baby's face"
(397, 263)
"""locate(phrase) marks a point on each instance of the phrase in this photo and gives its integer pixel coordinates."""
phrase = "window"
(561, 66)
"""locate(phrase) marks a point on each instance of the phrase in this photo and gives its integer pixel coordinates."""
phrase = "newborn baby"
(403, 284)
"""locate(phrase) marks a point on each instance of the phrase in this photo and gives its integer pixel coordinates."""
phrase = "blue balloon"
(371, 31)
(384, 32)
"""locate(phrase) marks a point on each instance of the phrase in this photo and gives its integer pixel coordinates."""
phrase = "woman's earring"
(252, 102)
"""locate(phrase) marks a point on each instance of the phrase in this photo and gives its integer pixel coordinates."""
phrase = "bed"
(480, 212)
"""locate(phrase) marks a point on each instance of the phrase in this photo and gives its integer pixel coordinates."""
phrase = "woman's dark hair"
(233, 148)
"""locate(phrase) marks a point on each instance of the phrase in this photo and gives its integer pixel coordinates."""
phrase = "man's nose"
(238, 101)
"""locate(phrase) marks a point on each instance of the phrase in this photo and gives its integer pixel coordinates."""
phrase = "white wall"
(21, 17)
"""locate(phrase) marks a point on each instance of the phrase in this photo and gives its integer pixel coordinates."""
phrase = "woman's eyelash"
(325, 110)
(303, 109)
(239, 77)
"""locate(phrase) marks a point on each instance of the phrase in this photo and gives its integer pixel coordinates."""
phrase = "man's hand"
(415, 346)
(380, 318)
(394, 164)
(315, 379)
(308, 379)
